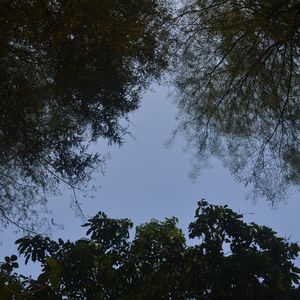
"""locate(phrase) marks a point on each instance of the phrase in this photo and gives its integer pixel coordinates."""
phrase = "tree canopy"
(237, 76)
(70, 72)
(229, 259)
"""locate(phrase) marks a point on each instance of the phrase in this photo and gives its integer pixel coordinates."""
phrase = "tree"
(237, 76)
(70, 72)
(231, 260)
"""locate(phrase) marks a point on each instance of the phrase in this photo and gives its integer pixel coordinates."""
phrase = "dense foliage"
(229, 259)
(237, 74)
(70, 72)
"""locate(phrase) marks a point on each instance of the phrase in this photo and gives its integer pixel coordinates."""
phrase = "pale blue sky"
(145, 180)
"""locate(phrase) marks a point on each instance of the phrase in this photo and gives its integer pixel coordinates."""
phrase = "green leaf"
(54, 272)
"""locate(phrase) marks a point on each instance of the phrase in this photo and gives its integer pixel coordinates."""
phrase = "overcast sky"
(144, 180)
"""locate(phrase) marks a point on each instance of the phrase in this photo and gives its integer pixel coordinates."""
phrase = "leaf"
(13, 258)
(54, 272)
(42, 277)
(89, 231)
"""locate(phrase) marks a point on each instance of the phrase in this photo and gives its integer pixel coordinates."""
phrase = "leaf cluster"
(229, 259)
(70, 72)
(237, 77)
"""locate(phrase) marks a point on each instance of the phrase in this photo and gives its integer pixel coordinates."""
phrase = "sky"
(144, 179)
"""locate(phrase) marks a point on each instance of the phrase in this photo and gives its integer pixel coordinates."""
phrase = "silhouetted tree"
(230, 260)
(237, 75)
(70, 72)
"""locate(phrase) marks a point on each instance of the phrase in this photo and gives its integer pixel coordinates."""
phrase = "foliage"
(230, 259)
(237, 75)
(70, 72)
